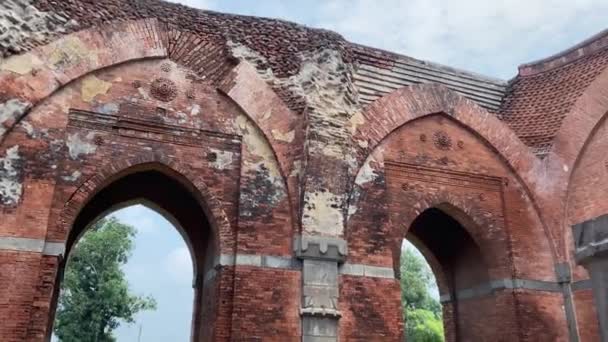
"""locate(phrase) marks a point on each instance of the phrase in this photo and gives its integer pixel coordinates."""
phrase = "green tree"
(424, 326)
(95, 295)
(422, 312)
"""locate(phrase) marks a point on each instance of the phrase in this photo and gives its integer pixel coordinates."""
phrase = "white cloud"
(178, 265)
(485, 36)
(144, 219)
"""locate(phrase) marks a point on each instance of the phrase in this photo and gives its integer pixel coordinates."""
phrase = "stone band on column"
(320, 248)
(320, 286)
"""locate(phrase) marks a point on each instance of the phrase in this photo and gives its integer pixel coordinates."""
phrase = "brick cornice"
(587, 47)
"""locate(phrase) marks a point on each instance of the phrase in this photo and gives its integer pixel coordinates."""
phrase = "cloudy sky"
(488, 37)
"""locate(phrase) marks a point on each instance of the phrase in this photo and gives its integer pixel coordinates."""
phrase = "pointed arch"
(397, 109)
(208, 201)
(403, 105)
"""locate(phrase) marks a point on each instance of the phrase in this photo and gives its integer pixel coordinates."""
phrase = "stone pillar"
(320, 288)
(591, 246)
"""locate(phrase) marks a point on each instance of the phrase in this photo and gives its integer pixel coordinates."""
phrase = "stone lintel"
(320, 248)
(32, 245)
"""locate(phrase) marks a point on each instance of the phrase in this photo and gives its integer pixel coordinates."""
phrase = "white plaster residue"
(196, 109)
(323, 214)
(223, 160)
(10, 185)
(182, 118)
(297, 169)
(363, 143)
(21, 64)
(355, 121)
(367, 173)
(73, 177)
(78, 145)
(285, 137)
(29, 129)
(323, 81)
(267, 115)
(143, 93)
(352, 210)
(11, 110)
(107, 108)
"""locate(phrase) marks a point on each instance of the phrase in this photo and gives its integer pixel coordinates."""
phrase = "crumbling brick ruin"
(295, 163)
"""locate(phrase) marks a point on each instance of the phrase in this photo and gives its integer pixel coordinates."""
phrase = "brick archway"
(571, 142)
(395, 110)
(107, 174)
(460, 270)
(32, 79)
(116, 184)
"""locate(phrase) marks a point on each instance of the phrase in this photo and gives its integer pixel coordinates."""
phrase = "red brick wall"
(371, 309)
(58, 180)
(479, 191)
(586, 316)
(586, 200)
(250, 187)
(266, 303)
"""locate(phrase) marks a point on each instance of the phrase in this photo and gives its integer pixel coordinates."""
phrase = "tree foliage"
(422, 312)
(95, 295)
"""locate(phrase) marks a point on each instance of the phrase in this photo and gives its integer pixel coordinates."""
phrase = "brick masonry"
(216, 119)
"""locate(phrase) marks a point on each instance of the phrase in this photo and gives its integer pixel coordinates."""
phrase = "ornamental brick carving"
(163, 89)
(166, 67)
(442, 140)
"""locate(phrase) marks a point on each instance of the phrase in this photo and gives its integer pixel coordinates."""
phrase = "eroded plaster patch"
(29, 129)
(21, 64)
(23, 25)
(71, 51)
(325, 82)
(196, 109)
(92, 86)
(368, 173)
(73, 177)
(223, 160)
(323, 214)
(355, 121)
(261, 165)
(78, 145)
(10, 174)
(285, 137)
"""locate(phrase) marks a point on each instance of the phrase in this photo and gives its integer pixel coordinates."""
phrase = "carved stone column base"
(320, 289)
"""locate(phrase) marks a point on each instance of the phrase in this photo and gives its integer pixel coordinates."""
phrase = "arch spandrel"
(435, 159)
